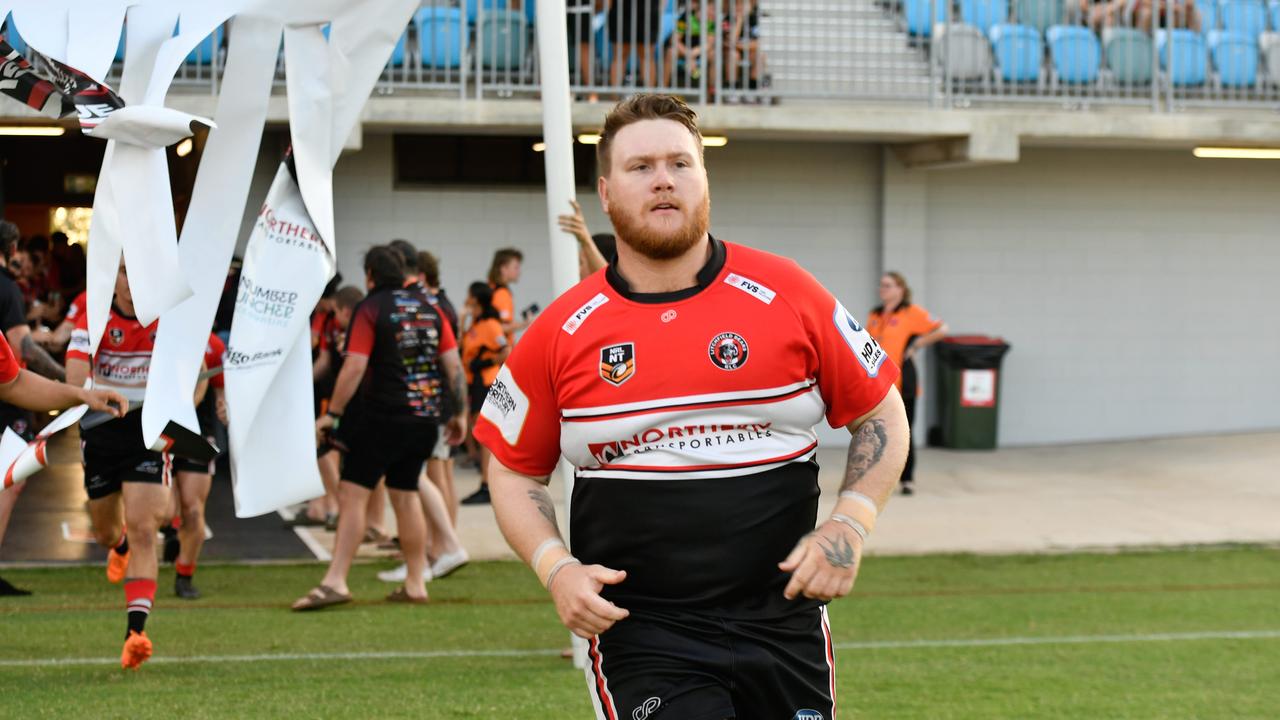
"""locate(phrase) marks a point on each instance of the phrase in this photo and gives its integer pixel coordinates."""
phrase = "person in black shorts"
(399, 355)
(193, 479)
(633, 29)
(684, 384)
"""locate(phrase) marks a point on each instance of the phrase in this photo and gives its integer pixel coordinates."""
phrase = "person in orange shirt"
(903, 329)
(484, 349)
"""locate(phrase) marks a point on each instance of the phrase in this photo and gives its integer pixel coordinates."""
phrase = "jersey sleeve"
(78, 348)
(213, 353)
(504, 303)
(854, 373)
(520, 420)
(448, 341)
(76, 309)
(363, 327)
(923, 321)
(9, 367)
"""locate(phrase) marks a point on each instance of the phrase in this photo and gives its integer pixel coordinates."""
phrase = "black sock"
(137, 623)
(123, 547)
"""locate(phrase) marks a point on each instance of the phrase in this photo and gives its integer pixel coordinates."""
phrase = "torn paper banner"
(21, 459)
(269, 393)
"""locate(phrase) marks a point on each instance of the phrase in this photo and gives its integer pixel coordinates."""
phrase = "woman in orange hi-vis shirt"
(903, 329)
(484, 348)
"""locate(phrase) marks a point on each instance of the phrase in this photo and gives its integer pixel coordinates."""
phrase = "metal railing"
(1165, 55)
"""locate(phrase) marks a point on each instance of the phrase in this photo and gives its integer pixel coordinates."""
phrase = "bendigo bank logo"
(618, 362)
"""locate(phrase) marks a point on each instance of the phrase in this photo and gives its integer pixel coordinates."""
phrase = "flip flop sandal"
(321, 596)
(400, 596)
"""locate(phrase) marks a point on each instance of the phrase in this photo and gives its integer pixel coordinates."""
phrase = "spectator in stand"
(634, 26)
(1167, 13)
(1099, 14)
(578, 17)
(694, 37)
(743, 46)
(903, 329)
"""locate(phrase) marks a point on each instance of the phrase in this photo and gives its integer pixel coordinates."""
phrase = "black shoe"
(171, 544)
(185, 588)
(8, 590)
(479, 497)
(908, 487)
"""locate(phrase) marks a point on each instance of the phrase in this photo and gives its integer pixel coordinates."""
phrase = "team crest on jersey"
(728, 351)
(117, 336)
(618, 362)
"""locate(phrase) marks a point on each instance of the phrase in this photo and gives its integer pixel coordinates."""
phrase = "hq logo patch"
(618, 362)
(117, 336)
(728, 351)
(807, 715)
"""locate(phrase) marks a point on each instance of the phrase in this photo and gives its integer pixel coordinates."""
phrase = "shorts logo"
(618, 362)
(807, 715)
(117, 335)
(647, 708)
(728, 351)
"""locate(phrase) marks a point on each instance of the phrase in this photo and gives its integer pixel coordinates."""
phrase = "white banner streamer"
(213, 221)
(21, 459)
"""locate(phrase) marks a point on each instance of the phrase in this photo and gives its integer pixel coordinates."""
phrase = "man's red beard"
(657, 244)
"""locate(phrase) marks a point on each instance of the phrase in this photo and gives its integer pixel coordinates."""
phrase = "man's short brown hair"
(429, 266)
(348, 297)
(644, 106)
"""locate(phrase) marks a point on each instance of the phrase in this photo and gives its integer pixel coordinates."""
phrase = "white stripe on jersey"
(586, 412)
(697, 441)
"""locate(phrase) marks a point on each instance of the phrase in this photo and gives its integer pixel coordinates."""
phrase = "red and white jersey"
(9, 365)
(213, 352)
(715, 392)
(123, 362)
(77, 307)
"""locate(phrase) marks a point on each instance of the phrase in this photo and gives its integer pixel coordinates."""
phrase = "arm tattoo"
(542, 499)
(40, 361)
(459, 390)
(865, 451)
(838, 551)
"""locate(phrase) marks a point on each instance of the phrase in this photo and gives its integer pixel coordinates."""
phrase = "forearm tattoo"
(40, 362)
(542, 499)
(865, 452)
(838, 551)
(459, 390)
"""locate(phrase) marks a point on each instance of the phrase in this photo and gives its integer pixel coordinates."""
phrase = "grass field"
(1179, 634)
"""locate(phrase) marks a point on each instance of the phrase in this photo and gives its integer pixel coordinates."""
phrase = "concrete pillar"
(904, 196)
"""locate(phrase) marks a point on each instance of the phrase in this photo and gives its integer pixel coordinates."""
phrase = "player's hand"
(575, 224)
(106, 401)
(455, 431)
(576, 591)
(221, 409)
(324, 426)
(824, 564)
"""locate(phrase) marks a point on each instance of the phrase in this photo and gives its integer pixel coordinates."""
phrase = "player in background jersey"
(57, 339)
(323, 510)
(684, 383)
(399, 353)
(128, 485)
(193, 478)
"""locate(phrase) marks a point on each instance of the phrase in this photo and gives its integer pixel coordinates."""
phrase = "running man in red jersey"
(683, 383)
(128, 485)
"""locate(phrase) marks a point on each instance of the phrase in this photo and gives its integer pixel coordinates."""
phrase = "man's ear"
(602, 189)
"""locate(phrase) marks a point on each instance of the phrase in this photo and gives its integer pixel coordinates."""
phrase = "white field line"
(874, 645)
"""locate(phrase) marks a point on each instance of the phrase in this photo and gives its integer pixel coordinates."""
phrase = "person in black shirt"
(399, 354)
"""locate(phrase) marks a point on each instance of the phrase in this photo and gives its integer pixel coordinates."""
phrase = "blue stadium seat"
(1275, 15)
(503, 38)
(961, 52)
(1018, 50)
(120, 48)
(1076, 53)
(917, 15)
(473, 8)
(207, 50)
(1235, 56)
(1188, 65)
(439, 40)
(1128, 55)
(982, 14)
(1244, 16)
(1269, 43)
(1039, 14)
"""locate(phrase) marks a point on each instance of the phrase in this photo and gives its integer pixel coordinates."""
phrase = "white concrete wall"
(1138, 289)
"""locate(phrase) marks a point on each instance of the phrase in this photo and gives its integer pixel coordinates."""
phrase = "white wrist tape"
(857, 526)
(542, 550)
(561, 564)
(862, 499)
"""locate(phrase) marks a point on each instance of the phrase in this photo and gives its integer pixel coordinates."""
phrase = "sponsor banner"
(269, 396)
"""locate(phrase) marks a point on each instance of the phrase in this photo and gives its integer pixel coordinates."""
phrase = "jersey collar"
(705, 277)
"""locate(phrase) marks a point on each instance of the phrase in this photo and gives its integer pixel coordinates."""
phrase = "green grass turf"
(499, 606)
